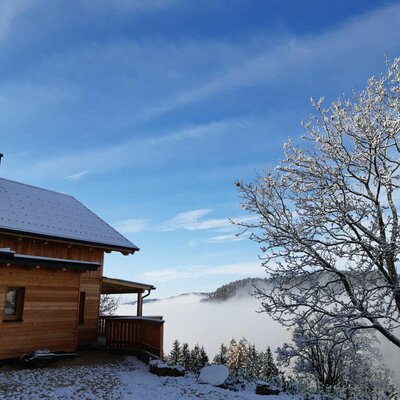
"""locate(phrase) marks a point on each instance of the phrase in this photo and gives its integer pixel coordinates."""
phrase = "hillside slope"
(240, 288)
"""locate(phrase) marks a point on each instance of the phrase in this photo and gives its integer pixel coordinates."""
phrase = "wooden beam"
(139, 305)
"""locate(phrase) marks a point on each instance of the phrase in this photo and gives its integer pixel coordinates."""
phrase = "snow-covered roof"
(32, 210)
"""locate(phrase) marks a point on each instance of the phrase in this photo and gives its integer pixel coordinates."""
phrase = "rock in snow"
(160, 368)
(265, 389)
(215, 375)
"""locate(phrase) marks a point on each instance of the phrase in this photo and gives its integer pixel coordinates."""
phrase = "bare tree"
(328, 215)
(109, 304)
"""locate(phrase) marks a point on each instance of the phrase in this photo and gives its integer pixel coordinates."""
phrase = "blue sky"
(148, 111)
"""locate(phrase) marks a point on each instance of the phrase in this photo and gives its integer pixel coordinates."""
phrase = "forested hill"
(240, 288)
(237, 289)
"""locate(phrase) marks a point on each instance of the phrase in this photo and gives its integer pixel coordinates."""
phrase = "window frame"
(19, 305)
(81, 308)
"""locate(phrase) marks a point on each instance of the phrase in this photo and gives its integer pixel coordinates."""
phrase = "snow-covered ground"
(125, 379)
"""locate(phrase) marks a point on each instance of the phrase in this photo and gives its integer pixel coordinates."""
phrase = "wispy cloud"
(158, 148)
(133, 225)
(189, 220)
(129, 6)
(225, 238)
(76, 177)
(177, 69)
(24, 99)
(369, 33)
(192, 221)
(178, 73)
(199, 271)
(10, 10)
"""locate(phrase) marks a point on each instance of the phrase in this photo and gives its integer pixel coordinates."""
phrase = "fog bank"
(212, 323)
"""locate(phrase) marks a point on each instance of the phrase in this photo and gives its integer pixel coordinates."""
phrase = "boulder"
(265, 389)
(161, 368)
(215, 375)
(175, 370)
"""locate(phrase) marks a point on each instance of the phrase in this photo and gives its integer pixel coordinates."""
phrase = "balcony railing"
(133, 334)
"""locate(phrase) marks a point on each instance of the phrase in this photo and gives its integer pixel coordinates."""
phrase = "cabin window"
(81, 316)
(14, 304)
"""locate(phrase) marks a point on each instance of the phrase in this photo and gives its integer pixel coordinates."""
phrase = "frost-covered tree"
(268, 368)
(198, 361)
(221, 356)
(109, 304)
(175, 355)
(253, 363)
(328, 215)
(336, 356)
(186, 359)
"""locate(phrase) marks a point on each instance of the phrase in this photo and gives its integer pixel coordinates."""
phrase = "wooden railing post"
(161, 341)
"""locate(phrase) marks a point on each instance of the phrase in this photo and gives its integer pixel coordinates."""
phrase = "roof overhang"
(104, 246)
(9, 257)
(119, 286)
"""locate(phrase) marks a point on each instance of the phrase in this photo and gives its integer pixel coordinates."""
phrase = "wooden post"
(139, 304)
(161, 341)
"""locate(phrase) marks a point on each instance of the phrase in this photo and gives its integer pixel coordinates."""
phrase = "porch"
(138, 334)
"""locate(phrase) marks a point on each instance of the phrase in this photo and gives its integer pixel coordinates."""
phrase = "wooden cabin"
(51, 277)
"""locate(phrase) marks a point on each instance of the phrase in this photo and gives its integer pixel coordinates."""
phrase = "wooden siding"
(49, 315)
(51, 298)
(44, 248)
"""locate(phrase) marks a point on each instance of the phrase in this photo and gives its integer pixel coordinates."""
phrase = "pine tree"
(175, 356)
(196, 361)
(221, 357)
(252, 369)
(186, 359)
(268, 367)
(203, 357)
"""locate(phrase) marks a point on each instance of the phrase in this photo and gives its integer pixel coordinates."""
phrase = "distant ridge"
(239, 288)
(236, 289)
(171, 297)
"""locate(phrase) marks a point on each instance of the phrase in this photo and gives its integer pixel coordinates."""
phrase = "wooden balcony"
(142, 336)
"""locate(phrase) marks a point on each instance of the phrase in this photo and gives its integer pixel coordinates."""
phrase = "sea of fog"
(212, 323)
